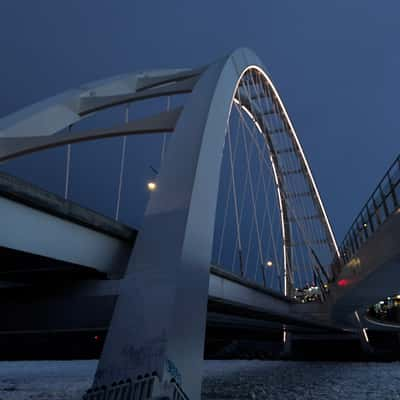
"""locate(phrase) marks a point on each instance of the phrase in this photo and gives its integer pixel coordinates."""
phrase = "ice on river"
(68, 380)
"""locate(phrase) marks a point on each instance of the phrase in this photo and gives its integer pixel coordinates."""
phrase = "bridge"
(234, 233)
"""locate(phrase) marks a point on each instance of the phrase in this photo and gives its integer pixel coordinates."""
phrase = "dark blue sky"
(335, 64)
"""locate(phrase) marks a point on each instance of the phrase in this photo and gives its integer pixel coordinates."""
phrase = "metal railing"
(383, 202)
(141, 389)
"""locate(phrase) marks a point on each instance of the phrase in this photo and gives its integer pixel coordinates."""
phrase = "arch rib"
(58, 112)
(258, 119)
(159, 123)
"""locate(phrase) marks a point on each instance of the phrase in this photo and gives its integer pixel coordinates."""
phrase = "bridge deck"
(60, 241)
(23, 192)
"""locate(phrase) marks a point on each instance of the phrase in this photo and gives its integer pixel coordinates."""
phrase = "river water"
(67, 380)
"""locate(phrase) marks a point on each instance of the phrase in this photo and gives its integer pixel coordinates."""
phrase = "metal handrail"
(382, 203)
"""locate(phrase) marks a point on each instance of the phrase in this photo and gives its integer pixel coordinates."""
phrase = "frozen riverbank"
(68, 380)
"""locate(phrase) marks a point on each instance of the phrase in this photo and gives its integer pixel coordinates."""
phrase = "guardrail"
(143, 388)
(383, 202)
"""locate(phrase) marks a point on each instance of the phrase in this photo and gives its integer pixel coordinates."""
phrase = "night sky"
(335, 64)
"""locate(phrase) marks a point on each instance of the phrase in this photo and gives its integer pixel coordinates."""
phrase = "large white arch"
(159, 320)
(161, 312)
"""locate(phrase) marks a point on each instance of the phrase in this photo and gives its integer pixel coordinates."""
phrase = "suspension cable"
(67, 167)
(228, 197)
(122, 167)
(235, 201)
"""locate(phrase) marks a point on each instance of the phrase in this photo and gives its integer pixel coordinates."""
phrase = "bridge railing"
(383, 202)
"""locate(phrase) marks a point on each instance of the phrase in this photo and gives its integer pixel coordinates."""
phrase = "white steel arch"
(301, 152)
(159, 321)
(169, 269)
(277, 168)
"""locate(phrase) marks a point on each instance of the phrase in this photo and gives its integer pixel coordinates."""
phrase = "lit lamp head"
(269, 263)
(152, 186)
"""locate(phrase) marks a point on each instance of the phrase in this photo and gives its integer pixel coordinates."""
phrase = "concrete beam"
(37, 222)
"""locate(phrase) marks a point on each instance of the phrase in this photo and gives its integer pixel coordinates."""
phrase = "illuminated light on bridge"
(364, 331)
(152, 186)
(344, 282)
(284, 336)
(354, 263)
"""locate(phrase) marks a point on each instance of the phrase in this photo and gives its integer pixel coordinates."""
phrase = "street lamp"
(152, 186)
(269, 263)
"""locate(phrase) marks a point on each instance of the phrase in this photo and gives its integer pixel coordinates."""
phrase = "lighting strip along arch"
(282, 113)
(303, 158)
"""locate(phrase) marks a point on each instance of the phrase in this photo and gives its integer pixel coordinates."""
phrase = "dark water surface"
(68, 380)
(300, 380)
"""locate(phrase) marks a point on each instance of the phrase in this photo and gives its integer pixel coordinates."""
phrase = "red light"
(96, 337)
(343, 282)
